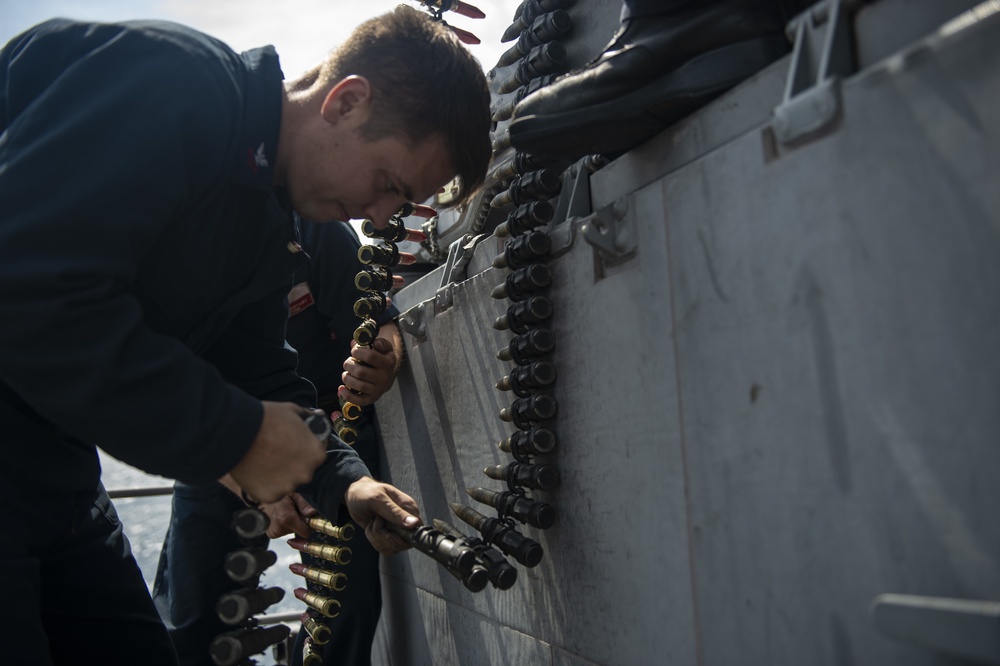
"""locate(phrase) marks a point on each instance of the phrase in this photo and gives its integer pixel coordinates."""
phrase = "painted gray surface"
(785, 404)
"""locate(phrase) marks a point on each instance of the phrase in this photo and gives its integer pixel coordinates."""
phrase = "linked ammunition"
(374, 279)
(318, 632)
(456, 6)
(319, 424)
(233, 647)
(545, 28)
(528, 12)
(525, 218)
(500, 140)
(311, 656)
(523, 314)
(502, 574)
(250, 523)
(464, 36)
(330, 553)
(502, 535)
(503, 108)
(323, 605)
(237, 607)
(335, 580)
(541, 184)
(345, 431)
(526, 412)
(379, 255)
(523, 282)
(248, 564)
(475, 580)
(524, 250)
(395, 232)
(440, 547)
(370, 306)
(517, 506)
(525, 379)
(349, 410)
(521, 475)
(419, 210)
(533, 441)
(541, 60)
(527, 347)
(366, 333)
(343, 532)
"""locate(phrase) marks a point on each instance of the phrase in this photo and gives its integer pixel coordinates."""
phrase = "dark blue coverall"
(144, 265)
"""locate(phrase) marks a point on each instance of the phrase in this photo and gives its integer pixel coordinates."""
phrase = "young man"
(148, 176)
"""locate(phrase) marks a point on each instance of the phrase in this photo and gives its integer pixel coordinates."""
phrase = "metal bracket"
(414, 321)
(573, 205)
(823, 54)
(961, 627)
(459, 255)
(610, 232)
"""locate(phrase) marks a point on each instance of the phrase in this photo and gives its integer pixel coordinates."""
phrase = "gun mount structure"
(775, 327)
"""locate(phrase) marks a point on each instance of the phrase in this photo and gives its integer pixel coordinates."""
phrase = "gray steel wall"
(784, 403)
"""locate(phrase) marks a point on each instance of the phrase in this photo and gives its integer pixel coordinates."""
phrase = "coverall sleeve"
(90, 176)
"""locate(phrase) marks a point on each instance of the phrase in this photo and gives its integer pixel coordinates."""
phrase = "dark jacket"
(145, 255)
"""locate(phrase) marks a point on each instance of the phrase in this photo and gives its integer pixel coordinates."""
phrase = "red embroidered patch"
(299, 298)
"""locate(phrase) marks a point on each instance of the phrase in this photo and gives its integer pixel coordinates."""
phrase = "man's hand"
(289, 515)
(373, 504)
(369, 373)
(282, 457)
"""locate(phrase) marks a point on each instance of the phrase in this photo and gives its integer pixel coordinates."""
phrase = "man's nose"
(380, 211)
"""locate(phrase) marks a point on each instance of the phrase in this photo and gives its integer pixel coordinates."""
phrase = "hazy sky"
(302, 31)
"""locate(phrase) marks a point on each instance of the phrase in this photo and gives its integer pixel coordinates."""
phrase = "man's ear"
(348, 101)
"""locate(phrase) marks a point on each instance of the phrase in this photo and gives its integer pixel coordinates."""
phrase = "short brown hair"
(424, 82)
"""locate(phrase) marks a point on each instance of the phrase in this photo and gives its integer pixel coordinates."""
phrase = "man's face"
(354, 178)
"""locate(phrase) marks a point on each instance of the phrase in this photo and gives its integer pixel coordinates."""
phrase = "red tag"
(299, 298)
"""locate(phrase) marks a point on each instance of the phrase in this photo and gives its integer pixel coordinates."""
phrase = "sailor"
(148, 176)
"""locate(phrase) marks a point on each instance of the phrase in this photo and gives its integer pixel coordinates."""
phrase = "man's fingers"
(305, 508)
